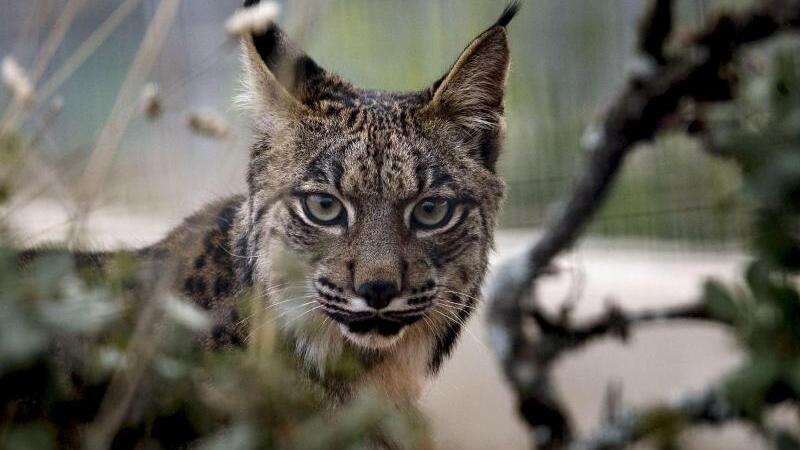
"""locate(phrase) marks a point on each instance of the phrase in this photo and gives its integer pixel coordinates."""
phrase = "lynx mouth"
(372, 329)
(379, 325)
(374, 333)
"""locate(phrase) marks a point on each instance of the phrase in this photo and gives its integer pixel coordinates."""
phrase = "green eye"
(431, 213)
(323, 209)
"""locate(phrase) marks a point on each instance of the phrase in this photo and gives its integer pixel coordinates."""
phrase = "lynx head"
(389, 199)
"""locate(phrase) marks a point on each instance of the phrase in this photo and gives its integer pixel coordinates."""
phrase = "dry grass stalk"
(152, 106)
(112, 132)
(87, 48)
(17, 81)
(126, 382)
(55, 38)
(208, 123)
(14, 113)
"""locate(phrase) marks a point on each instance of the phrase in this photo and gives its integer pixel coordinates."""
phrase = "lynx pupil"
(325, 203)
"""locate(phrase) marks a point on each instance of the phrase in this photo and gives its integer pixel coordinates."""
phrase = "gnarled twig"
(639, 113)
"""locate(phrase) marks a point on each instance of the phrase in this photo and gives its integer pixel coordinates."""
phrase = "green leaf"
(78, 311)
(35, 436)
(662, 425)
(20, 340)
(746, 387)
(719, 301)
(785, 441)
(758, 280)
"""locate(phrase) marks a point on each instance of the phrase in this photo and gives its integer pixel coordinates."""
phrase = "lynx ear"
(281, 80)
(470, 95)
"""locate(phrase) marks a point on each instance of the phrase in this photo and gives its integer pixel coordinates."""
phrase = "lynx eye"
(431, 213)
(323, 209)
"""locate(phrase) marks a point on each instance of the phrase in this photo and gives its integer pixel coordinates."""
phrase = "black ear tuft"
(248, 3)
(470, 95)
(509, 12)
(290, 66)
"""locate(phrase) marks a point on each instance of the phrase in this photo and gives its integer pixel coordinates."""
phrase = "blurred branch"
(642, 109)
(656, 29)
(563, 336)
(708, 407)
(556, 336)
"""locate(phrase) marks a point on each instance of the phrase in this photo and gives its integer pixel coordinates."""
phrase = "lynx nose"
(377, 293)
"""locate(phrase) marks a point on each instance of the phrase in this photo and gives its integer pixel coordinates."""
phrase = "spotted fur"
(379, 154)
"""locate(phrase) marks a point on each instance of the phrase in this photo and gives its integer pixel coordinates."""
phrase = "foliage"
(760, 132)
(102, 359)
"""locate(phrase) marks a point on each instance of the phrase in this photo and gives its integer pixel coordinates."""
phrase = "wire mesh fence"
(569, 56)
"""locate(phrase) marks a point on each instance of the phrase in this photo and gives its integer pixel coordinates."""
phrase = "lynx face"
(391, 221)
(388, 200)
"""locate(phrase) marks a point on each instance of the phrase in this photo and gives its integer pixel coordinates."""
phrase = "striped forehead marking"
(393, 170)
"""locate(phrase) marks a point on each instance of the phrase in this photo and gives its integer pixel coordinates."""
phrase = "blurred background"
(672, 220)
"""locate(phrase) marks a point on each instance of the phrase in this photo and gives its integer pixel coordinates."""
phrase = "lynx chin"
(368, 218)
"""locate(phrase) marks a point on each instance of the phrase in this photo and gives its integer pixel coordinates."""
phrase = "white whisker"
(464, 326)
(301, 315)
(460, 305)
(294, 308)
(429, 325)
(301, 297)
(461, 294)
(275, 319)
